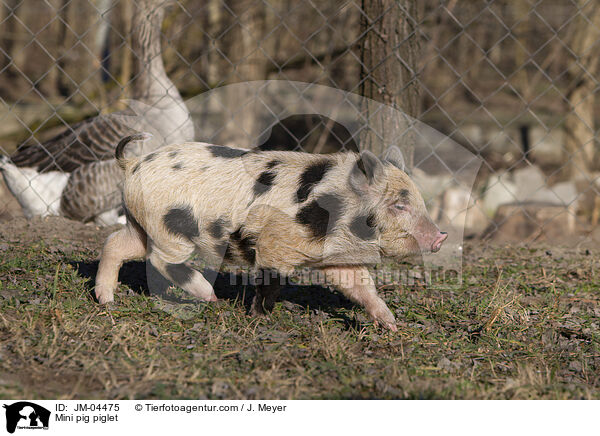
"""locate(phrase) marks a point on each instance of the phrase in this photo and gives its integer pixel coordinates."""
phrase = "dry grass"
(524, 324)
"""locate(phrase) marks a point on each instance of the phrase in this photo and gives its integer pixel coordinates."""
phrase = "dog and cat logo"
(26, 415)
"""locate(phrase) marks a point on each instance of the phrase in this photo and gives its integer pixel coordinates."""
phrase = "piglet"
(274, 211)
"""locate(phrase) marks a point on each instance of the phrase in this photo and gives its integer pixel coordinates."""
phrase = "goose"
(75, 174)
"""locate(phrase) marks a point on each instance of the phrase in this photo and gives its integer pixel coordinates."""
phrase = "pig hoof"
(257, 310)
(213, 297)
(387, 325)
(103, 295)
(258, 314)
(384, 316)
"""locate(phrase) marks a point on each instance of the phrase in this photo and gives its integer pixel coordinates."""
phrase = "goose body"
(75, 174)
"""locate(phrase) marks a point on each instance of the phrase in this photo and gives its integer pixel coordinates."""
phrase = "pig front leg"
(356, 283)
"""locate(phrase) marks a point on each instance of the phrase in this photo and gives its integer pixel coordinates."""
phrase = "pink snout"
(437, 243)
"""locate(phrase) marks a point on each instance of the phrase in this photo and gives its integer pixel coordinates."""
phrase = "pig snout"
(428, 236)
(439, 240)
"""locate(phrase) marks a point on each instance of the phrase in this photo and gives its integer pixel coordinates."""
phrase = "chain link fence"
(513, 82)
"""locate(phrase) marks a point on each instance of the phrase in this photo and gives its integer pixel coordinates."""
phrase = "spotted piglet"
(273, 211)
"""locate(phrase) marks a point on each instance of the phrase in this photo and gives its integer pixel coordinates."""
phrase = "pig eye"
(400, 206)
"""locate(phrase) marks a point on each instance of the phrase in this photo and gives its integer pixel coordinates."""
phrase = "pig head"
(403, 223)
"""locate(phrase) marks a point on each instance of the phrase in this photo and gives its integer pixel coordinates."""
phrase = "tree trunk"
(389, 55)
(62, 83)
(250, 64)
(126, 54)
(579, 122)
(215, 28)
(17, 37)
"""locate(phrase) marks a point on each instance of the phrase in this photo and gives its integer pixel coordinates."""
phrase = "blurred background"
(513, 82)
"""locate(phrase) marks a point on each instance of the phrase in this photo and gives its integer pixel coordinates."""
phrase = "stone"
(588, 189)
(529, 181)
(527, 185)
(499, 189)
(546, 146)
(532, 221)
(564, 193)
(460, 210)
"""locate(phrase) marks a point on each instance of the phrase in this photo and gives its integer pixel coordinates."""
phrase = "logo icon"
(26, 415)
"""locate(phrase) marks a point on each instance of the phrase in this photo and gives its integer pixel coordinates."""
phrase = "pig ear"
(394, 156)
(366, 170)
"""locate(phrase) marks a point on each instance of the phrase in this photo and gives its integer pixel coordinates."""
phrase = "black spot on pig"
(367, 165)
(173, 154)
(226, 152)
(179, 273)
(321, 215)
(310, 177)
(264, 182)
(272, 164)
(178, 166)
(136, 168)
(223, 249)
(364, 226)
(181, 221)
(150, 157)
(216, 229)
(366, 170)
(245, 245)
(404, 195)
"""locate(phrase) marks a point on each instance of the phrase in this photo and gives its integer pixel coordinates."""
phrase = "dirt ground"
(524, 323)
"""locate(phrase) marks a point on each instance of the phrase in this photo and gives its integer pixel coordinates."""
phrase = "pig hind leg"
(174, 268)
(357, 284)
(266, 294)
(129, 243)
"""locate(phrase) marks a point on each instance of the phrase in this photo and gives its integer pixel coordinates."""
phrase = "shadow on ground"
(228, 286)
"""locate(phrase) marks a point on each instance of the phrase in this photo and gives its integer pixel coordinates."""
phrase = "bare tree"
(389, 55)
(579, 122)
(244, 48)
(15, 38)
(215, 27)
(126, 55)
